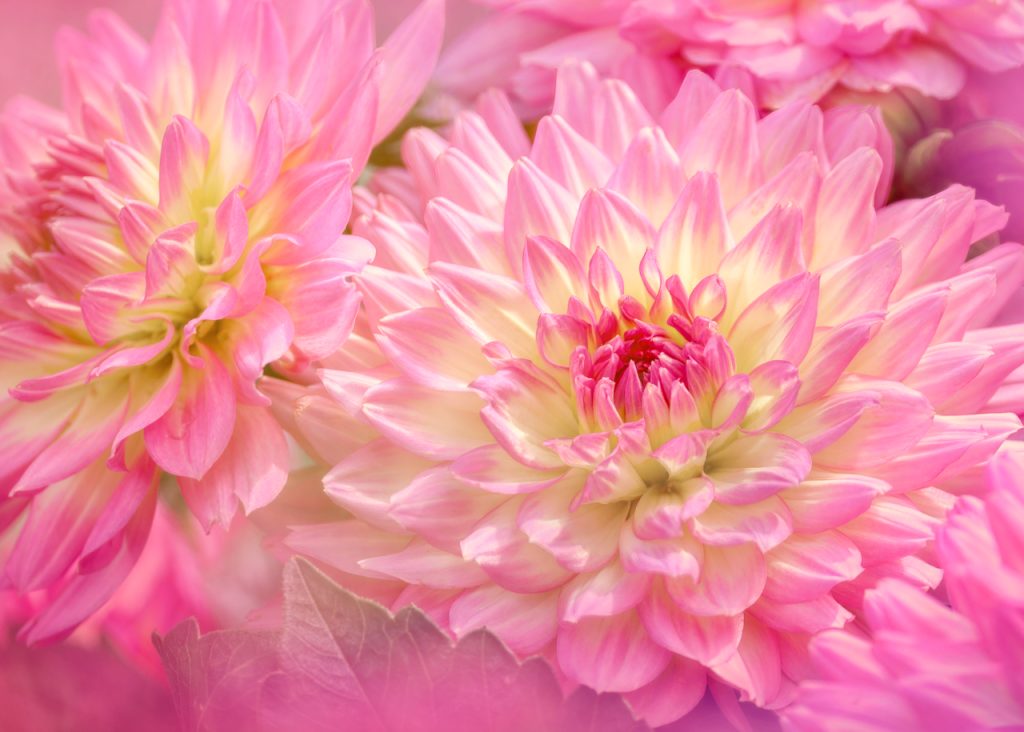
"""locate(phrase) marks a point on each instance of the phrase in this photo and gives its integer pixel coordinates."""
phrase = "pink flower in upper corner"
(658, 398)
(929, 666)
(174, 232)
(789, 49)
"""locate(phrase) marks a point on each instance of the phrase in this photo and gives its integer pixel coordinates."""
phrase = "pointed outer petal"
(756, 668)
(183, 155)
(505, 553)
(171, 267)
(768, 255)
(788, 132)
(882, 432)
(469, 134)
(568, 157)
(285, 126)
(343, 134)
(140, 223)
(820, 423)
(845, 217)
(662, 514)
(967, 293)
(901, 341)
(366, 481)
(754, 467)
(807, 567)
(84, 594)
(1006, 342)
(535, 205)
(1007, 260)
(524, 409)
(778, 325)
(732, 578)
(407, 61)
(552, 274)
(891, 528)
(488, 306)
(435, 425)
(676, 557)
(57, 526)
(309, 204)
(859, 284)
(766, 523)
(344, 544)
(107, 303)
(386, 291)
(696, 95)
(813, 616)
(468, 184)
(581, 540)
(129, 170)
(27, 429)
(849, 128)
(496, 109)
(606, 221)
(398, 245)
(492, 469)
(463, 237)
(827, 500)
(947, 368)
(795, 185)
(441, 508)
(421, 563)
(121, 505)
(324, 429)
(709, 640)
(683, 456)
(731, 402)
(189, 438)
(87, 436)
(775, 385)
(610, 654)
(693, 239)
(526, 623)
(252, 469)
(609, 591)
(725, 143)
(832, 350)
(348, 388)
(650, 174)
(321, 302)
(428, 345)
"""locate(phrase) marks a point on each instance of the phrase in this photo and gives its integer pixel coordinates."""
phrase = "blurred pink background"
(27, 28)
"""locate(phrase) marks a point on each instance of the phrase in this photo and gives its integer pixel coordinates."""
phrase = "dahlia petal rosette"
(179, 230)
(926, 664)
(662, 397)
(781, 49)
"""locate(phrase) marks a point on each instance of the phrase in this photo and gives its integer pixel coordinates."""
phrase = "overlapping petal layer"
(657, 397)
(171, 234)
(928, 665)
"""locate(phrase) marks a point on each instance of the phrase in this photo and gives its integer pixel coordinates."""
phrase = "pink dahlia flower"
(926, 664)
(658, 397)
(790, 50)
(171, 234)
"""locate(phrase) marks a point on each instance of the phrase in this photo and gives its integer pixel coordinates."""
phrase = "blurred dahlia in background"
(173, 231)
(659, 393)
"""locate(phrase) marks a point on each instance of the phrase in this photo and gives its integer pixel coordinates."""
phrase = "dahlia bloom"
(789, 50)
(927, 665)
(177, 229)
(657, 397)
